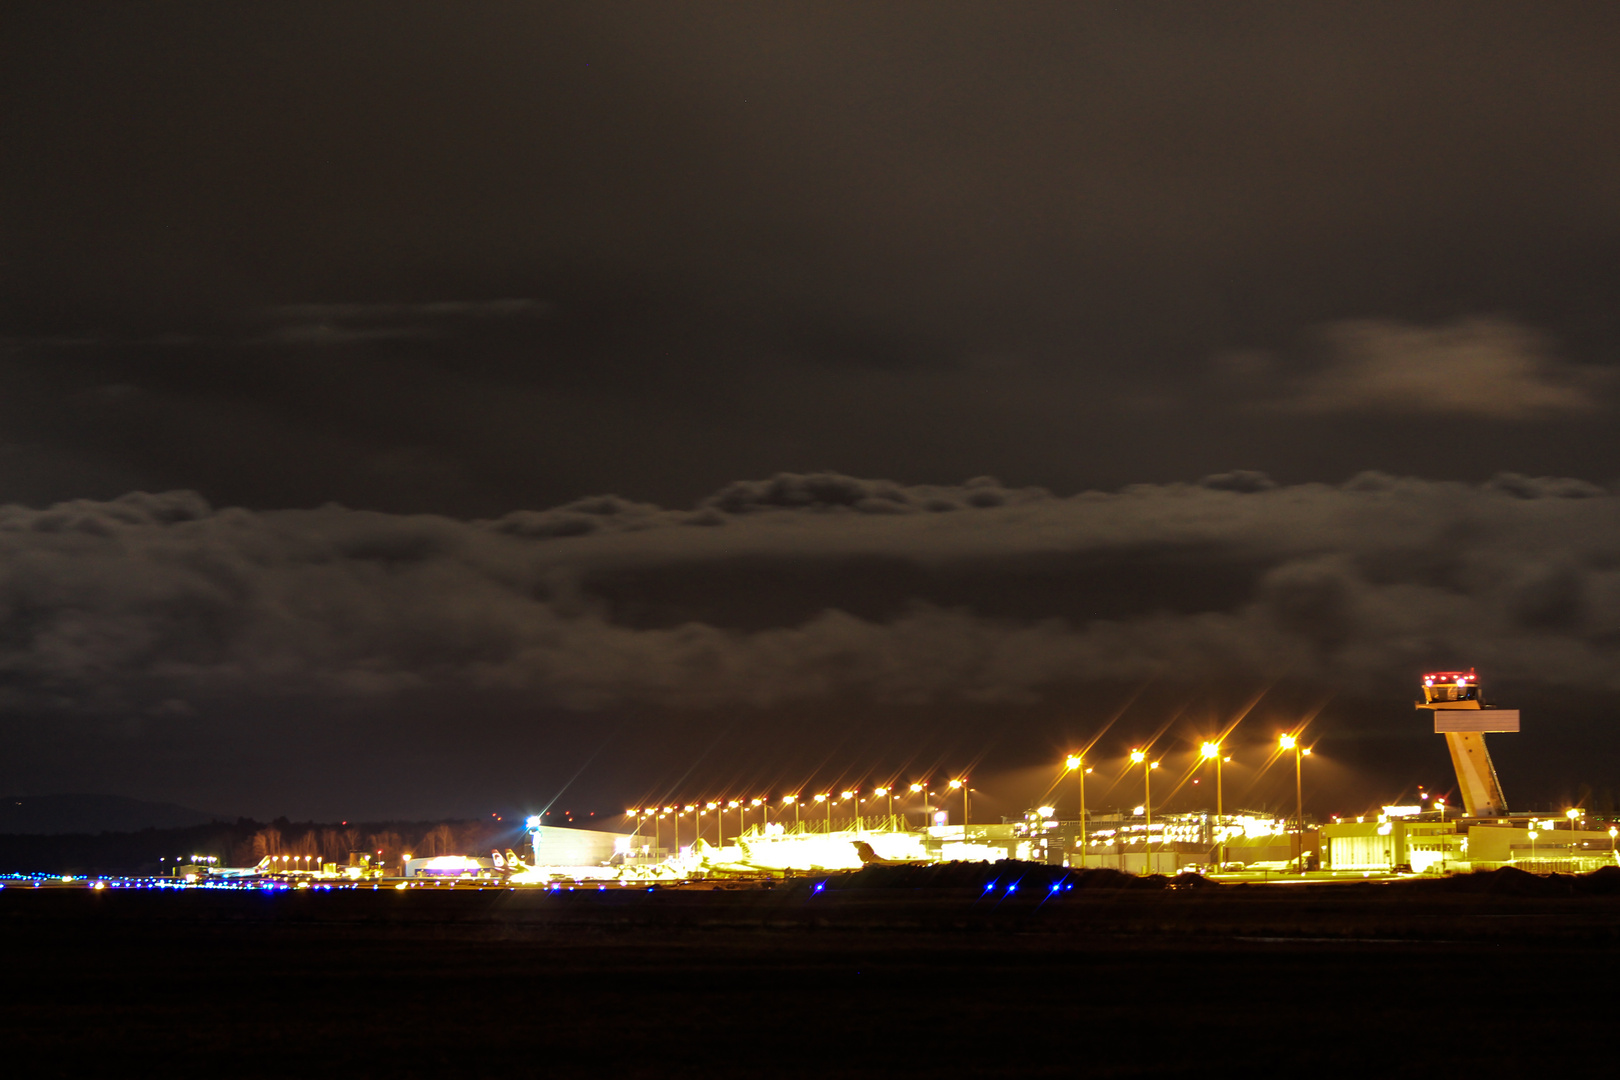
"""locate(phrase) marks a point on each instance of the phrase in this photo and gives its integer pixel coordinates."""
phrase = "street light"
(922, 789)
(764, 813)
(735, 804)
(1533, 845)
(883, 792)
(1572, 813)
(1613, 832)
(962, 783)
(1076, 763)
(825, 798)
(793, 800)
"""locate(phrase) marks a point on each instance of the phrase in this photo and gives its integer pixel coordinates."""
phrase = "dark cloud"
(464, 261)
(144, 600)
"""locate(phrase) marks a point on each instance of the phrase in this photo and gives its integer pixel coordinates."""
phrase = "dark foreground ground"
(1262, 981)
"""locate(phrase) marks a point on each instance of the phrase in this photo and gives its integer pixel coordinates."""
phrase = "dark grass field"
(1332, 980)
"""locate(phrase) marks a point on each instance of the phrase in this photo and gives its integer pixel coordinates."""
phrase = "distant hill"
(57, 814)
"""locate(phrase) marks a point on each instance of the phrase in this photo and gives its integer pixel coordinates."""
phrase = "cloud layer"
(811, 588)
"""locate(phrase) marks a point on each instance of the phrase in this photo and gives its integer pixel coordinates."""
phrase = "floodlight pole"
(1077, 763)
(1214, 750)
(1083, 771)
(1147, 818)
(1299, 810)
(922, 789)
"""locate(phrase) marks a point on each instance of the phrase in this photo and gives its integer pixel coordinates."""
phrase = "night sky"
(429, 409)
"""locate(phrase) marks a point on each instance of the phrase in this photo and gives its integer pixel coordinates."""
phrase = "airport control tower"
(1461, 715)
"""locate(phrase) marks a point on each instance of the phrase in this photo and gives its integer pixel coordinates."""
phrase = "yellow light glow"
(1073, 761)
(955, 784)
(790, 799)
(916, 789)
(757, 802)
(880, 791)
(1572, 814)
(1287, 742)
(1138, 756)
(1210, 750)
(821, 798)
(711, 806)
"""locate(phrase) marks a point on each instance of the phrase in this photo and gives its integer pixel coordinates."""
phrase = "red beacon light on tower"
(1450, 686)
